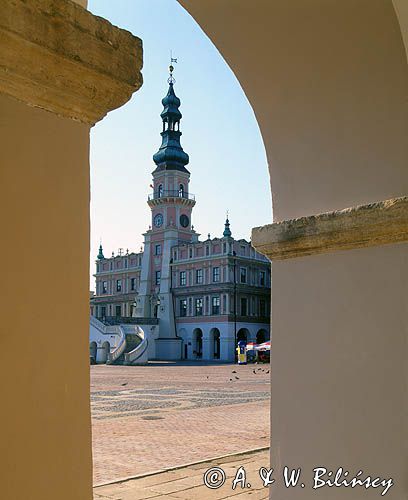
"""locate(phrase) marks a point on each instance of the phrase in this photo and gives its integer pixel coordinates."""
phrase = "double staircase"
(130, 347)
(135, 347)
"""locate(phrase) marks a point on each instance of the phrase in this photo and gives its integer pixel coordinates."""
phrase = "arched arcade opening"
(197, 343)
(215, 343)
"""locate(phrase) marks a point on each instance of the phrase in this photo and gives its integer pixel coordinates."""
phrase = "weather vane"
(171, 68)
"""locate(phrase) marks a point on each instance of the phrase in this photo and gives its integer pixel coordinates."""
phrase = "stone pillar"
(62, 70)
(207, 345)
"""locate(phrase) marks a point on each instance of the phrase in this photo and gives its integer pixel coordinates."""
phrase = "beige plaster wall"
(44, 310)
(328, 82)
(339, 368)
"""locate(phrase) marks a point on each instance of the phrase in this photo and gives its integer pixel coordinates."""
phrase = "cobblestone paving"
(188, 482)
(163, 415)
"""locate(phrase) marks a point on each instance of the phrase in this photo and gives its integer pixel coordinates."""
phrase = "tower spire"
(227, 231)
(100, 254)
(171, 156)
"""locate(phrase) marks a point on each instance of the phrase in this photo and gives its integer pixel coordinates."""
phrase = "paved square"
(163, 415)
(188, 482)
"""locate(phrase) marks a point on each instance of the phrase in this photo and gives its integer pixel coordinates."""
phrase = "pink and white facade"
(194, 299)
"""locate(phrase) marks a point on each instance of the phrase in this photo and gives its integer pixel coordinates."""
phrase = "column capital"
(357, 227)
(57, 56)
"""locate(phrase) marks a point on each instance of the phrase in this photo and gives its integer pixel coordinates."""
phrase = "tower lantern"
(171, 156)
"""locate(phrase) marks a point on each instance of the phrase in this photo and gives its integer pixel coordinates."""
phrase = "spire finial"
(171, 79)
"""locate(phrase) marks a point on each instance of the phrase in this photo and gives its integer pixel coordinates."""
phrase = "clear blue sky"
(227, 158)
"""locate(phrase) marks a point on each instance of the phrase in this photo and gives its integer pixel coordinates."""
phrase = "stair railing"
(116, 353)
(139, 351)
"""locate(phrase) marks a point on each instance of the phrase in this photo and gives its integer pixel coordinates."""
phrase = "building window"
(160, 191)
(118, 311)
(216, 274)
(97, 268)
(157, 249)
(183, 278)
(199, 276)
(262, 308)
(181, 191)
(242, 250)
(103, 312)
(243, 275)
(262, 278)
(224, 248)
(244, 306)
(132, 283)
(183, 307)
(190, 253)
(207, 250)
(158, 277)
(118, 285)
(104, 287)
(198, 307)
(215, 305)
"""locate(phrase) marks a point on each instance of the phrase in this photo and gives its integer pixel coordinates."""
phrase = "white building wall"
(227, 337)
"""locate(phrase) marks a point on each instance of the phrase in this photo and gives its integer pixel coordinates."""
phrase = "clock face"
(184, 220)
(158, 220)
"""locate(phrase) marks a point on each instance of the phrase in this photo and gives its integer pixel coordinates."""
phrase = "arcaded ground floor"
(165, 415)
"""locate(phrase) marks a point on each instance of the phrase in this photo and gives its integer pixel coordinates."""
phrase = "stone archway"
(197, 344)
(261, 336)
(324, 149)
(215, 343)
(93, 349)
(243, 334)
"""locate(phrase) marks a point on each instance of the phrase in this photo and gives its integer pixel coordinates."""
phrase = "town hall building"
(193, 298)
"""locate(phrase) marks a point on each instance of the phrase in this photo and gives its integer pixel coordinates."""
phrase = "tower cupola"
(227, 231)
(100, 254)
(171, 156)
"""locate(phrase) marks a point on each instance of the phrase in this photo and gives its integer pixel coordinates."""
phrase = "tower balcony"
(171, 194)
(176, 197)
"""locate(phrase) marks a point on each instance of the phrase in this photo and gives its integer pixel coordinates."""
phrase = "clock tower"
(171, 206)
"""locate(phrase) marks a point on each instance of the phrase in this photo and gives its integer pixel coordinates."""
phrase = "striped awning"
(266, 346)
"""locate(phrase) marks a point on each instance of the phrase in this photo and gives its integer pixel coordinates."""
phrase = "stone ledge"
(56, 55)
(358, 227)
